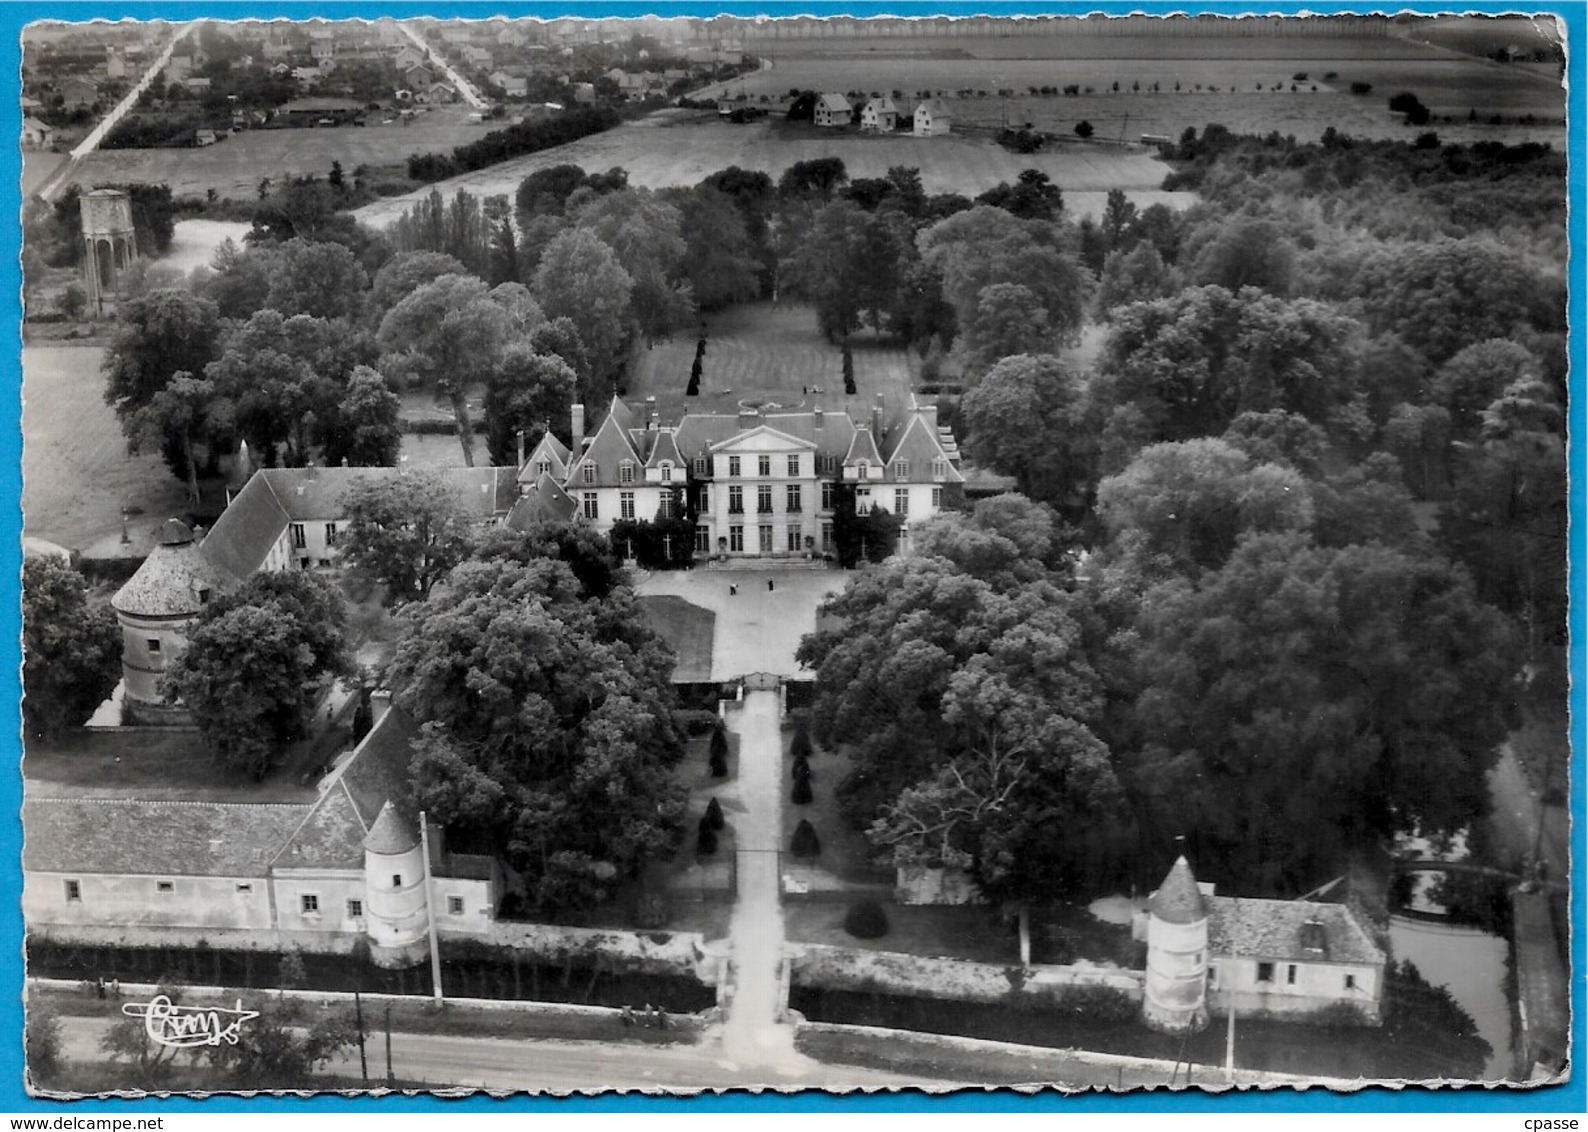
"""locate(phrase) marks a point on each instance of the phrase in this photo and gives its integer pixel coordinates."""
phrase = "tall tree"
(406, 532)
(365, 428)
(552, 734)
(71, 648)
(256, 662)
(527, 392)
(451, 334)
(580, 279)
(645, 234)
(1025, 419)
(179, 414)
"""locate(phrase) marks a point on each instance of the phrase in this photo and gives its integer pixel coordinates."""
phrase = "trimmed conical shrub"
(866, 920)
(805, 842)
(802, 792)
(719, 752)
(714, 815)
(802, 771)
(706, 842)
(800, 747)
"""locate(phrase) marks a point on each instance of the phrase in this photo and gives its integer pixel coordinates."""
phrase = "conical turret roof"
(390, 834)
(1178, 899)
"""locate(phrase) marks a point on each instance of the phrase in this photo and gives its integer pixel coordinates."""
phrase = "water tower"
(110, 245)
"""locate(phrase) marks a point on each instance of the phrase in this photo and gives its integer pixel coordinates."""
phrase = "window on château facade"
(733, 465)
(736, 500)
(794, 499)
(763, 465)
(763, 499)
(626, 505)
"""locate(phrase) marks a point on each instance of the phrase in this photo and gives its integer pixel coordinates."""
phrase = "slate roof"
(141, 838)
(332, 834)
(544, 501)
(550, 450)
(698, 433)
(920, 446)
(665, 448)
(864, 447)
(1178, 899)
(1277, 930)
(607, 450)
(622, 413)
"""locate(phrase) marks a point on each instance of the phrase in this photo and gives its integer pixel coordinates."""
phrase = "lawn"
(846, 859)
(76, 474)
(153, 766)
(688, 629)
(681, 147)
(769, 352)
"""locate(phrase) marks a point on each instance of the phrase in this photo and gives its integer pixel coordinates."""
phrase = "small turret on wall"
(396, 915)
(1177, 954)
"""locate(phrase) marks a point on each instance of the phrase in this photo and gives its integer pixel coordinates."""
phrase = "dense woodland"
(1288, 557)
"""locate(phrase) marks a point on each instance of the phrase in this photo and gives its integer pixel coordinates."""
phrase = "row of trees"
(1292, 549)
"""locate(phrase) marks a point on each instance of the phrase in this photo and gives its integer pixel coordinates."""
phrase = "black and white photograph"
(795, 553)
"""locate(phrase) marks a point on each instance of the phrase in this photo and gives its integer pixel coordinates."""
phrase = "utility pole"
(1229, 1049)
(430, 909)
(363, 1061)
(391, 1078)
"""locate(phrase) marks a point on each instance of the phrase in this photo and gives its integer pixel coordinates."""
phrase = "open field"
(768, 352)
(1447, 83)
(76, 474)
(234, 167)
(680, 147)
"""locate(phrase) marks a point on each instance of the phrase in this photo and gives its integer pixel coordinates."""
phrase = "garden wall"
(916, 976)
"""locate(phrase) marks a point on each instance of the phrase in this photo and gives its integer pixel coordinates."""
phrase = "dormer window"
(702, 466)
(626, 472)
(543, 468)
(901, 469)
(589, 472)
(667, 471)
(863, 470)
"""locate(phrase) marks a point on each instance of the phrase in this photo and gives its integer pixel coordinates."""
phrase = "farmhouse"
(35, 134)
(1259, 958)
(77, 92)
(328, 875)
(932, 119)
(513, 86)
(880, 115)
(833, 110)
(764, 484)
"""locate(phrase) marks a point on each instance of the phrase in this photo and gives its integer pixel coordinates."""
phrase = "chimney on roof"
(748, 418)
(816, 417)
(578, 429)
(876, 416)
(653, 418)
(520, 448)
(344, 461)
(379, 704)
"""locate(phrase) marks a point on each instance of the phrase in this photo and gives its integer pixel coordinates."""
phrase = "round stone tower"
(110, 243)
(1177, 954)
(156, 608)
(396, 916)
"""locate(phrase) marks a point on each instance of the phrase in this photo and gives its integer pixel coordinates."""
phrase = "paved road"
(449, 1061)
(752, 1033)
(58, 180)
(462, 85)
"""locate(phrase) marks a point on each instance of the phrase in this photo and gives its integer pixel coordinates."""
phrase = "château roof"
(607, 450)
(863, 447)
(547, 450)
(1178, 899)
(665, 448)
(919, 444)
(544, 501)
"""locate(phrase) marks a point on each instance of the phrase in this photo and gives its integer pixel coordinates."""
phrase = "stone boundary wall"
(619, 951)
(822, 967)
